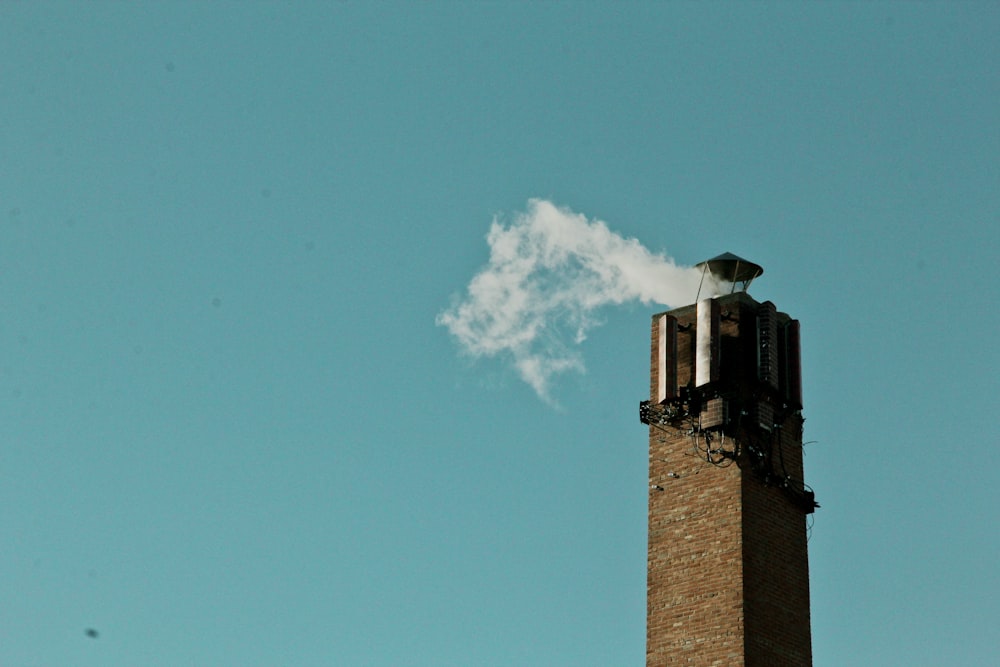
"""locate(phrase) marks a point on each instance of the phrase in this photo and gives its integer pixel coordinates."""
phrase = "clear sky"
(233, 430)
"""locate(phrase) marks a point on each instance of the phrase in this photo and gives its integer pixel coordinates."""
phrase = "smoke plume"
(550, 271)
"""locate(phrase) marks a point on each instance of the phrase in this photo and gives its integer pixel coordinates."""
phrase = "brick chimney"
(727, 571)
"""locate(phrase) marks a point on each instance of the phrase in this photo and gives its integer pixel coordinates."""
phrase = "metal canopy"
(731, 269)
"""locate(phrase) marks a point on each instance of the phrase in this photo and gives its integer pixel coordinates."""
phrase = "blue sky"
(232, 431)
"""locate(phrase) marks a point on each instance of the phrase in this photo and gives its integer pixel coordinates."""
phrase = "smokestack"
(727, 568)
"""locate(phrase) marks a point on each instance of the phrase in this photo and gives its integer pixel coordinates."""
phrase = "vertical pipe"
(793, 364)
(706, 365)
(666, 359)
(767, 344)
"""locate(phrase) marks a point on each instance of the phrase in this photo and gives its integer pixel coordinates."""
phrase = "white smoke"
(550, 270)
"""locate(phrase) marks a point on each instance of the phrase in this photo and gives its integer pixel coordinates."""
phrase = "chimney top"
(731, 269)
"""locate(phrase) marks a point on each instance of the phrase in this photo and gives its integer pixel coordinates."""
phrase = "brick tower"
(727, 571)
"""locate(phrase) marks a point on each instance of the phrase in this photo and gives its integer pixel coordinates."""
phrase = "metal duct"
(666, 359)
(706, 364)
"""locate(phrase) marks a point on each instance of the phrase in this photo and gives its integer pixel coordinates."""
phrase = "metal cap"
(731, 269)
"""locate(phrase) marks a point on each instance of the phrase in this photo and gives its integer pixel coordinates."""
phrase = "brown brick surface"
(727, 577)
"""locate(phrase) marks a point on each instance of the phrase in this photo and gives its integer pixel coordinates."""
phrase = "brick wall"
(727, 577)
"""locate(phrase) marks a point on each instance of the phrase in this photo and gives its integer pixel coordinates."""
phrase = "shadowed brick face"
(728, 576)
